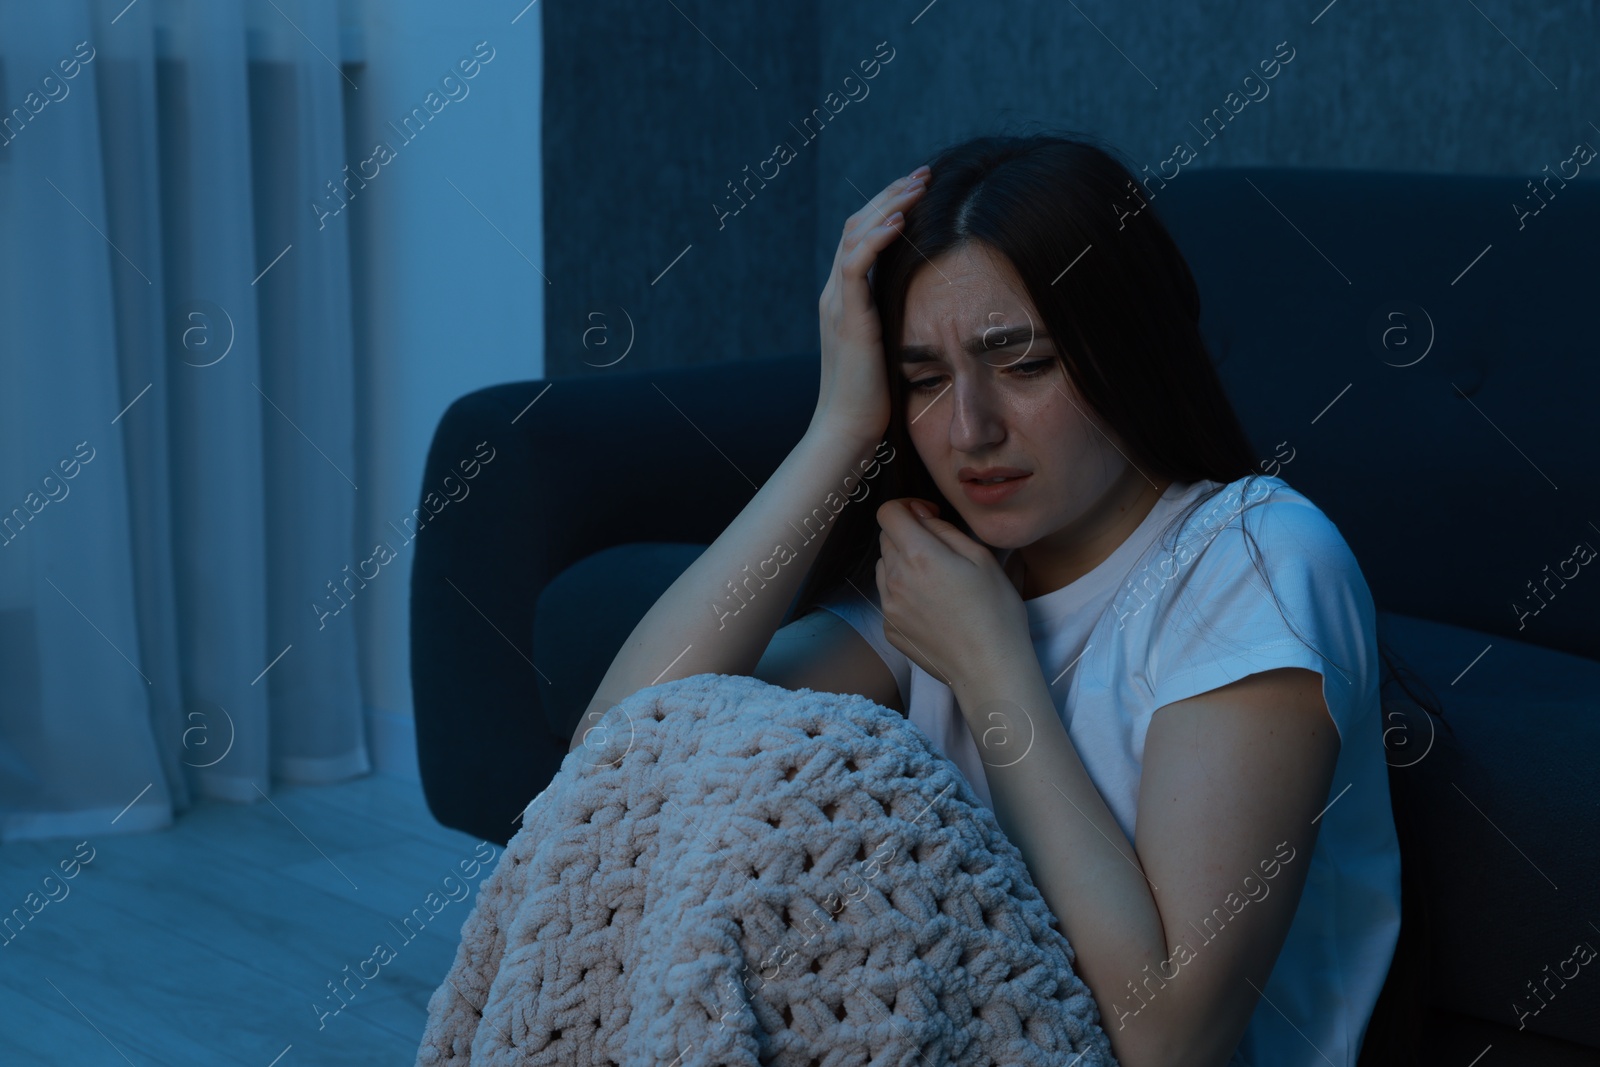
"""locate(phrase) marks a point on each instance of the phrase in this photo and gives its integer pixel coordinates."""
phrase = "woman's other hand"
(947, 603)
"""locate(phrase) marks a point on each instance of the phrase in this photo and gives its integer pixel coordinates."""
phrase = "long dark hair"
(1118, 298)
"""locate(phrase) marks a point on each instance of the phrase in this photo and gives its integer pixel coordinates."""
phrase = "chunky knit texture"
(733, 873)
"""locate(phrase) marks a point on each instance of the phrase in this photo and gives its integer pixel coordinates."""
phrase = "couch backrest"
(1429, 364)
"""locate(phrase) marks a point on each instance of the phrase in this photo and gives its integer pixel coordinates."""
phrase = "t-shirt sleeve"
(1219, 622)
(863, 613)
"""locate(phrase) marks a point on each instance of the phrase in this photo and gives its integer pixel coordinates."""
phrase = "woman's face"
(985, 391)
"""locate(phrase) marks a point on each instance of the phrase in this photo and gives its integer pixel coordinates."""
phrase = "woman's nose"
(975, 422)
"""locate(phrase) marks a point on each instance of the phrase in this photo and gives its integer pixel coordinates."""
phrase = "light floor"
(210, 942)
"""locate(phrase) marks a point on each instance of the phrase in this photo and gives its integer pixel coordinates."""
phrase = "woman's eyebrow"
(988, 341)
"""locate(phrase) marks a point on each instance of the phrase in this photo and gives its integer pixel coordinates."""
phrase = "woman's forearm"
(721, 613)
(1082, 863)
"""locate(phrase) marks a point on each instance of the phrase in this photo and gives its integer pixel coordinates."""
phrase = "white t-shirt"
(1171, 614)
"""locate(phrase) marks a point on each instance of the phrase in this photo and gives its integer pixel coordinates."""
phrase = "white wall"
(450, 306)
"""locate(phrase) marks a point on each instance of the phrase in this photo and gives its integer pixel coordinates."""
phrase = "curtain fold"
(177, 412)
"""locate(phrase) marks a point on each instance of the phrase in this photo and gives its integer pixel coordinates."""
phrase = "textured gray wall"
(645, 126)
(650, 111)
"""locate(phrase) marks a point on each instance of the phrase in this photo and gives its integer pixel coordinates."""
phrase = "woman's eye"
(1031, 369)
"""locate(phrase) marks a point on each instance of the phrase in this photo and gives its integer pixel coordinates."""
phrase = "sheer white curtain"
(177, 413)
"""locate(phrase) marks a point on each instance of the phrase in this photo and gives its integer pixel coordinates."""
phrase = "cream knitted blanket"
(733, 873)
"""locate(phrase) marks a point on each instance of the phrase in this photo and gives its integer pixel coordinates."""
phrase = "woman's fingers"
(877, 210)
(873, 208)
(875, 215)
(880, 211)
(860, 250)
(863, 253)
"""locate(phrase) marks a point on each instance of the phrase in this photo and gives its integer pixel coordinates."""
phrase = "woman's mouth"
(992, 491)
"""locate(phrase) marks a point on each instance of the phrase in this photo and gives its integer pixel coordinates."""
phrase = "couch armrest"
(664, 455)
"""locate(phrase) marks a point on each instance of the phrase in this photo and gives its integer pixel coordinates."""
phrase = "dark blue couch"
(1430, 368)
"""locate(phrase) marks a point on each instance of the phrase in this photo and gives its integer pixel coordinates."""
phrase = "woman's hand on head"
(947, 603)
(853, 394)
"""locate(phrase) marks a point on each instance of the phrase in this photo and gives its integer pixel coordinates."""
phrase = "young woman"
(1156, 665)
